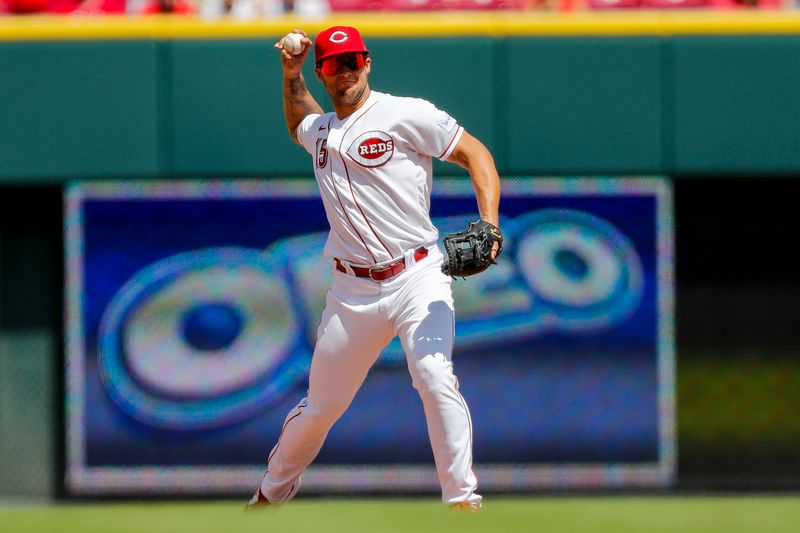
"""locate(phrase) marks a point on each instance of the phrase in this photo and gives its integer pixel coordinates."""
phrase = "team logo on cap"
(372, 149)
(338, 37)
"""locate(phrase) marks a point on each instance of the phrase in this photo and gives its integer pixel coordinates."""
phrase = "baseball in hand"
(292, 43)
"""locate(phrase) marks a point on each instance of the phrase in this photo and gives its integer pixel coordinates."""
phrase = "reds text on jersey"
(374, 173)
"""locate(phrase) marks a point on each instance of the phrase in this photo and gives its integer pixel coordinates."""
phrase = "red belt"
(384, 272)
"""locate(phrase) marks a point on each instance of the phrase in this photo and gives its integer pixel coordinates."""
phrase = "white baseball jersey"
(374, 173)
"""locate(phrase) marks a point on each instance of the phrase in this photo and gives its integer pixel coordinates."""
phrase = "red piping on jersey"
(348, 216)
(336, 192)
(352, 193)
(460, 396)
(299, 412)
(451, 141)
(469, 419)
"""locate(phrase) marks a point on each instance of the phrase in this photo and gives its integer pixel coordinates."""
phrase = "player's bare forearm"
(486, 183)
(297, 102)
(472, 155)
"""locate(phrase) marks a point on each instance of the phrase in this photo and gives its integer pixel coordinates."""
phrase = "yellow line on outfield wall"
(436, 24)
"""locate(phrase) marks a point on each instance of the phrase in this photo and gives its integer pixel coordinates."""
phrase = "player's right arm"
(297, 101)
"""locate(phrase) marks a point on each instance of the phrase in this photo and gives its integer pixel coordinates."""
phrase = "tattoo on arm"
(297, 88)
(298, 103)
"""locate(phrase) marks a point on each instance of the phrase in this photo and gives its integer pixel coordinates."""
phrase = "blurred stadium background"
(704, 98)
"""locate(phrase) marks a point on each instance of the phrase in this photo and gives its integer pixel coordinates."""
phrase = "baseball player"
(372, 160)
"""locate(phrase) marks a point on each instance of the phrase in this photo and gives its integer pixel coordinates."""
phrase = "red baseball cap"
(338, 40)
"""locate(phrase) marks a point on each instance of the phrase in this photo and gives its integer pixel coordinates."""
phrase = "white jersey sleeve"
(307, 132)
(429, 130)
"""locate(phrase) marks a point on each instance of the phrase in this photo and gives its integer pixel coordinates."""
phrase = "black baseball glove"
(470, 252)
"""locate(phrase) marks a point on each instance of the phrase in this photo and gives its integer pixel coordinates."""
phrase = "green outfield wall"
(625, 95)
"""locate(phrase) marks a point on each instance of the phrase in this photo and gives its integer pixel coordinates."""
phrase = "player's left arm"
(471, 154)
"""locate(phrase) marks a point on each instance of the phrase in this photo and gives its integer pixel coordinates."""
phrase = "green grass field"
(611, 514)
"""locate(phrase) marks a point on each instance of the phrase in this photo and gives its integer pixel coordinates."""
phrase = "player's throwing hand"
(293, 63)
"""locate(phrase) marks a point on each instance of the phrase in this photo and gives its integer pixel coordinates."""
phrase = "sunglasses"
(334, 64)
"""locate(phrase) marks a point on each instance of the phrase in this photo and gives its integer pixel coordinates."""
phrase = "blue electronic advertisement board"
(191, 316)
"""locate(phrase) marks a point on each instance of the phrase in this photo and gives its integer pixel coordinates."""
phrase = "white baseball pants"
(360, 318)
